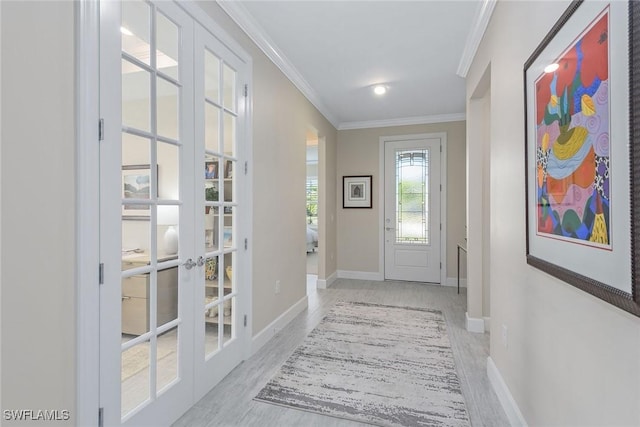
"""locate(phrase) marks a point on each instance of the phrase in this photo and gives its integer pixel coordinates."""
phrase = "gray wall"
(38, 196)
(359, 154)
(571, 359)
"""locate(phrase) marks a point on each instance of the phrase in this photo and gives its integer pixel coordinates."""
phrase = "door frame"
(443, 198)
(87, 192)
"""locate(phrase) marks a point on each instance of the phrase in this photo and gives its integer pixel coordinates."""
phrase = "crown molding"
(480, 24)
(248, 24)
(420, 120)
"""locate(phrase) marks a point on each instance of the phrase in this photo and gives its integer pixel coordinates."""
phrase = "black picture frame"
(356, 192)
(619, 293)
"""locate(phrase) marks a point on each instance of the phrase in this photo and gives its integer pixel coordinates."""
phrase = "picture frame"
(211, 169)
(227, 236)
(136, 184)
(228, 169)
(582, 156)
(356, 191)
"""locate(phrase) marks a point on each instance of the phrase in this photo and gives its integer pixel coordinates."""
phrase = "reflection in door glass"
(167, 46)
(412, 192)
(136, 97)
(167, 108)
(229, 78)
(135, 30)
(167, 358)
(134, 376)
(229, 136)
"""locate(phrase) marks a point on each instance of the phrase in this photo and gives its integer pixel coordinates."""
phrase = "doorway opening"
(312, 202)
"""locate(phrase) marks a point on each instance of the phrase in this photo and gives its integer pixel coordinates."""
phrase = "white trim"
(250, 26)
(209, 24)
(324, 284)
(277, 325)
(1, 406)
(473, 324)
(487, 324)
(419, 120)
(443, 197)
(87, 213)
(504, 395)
(360, 275)
(453, 282)
(480, 24)
(248, 225)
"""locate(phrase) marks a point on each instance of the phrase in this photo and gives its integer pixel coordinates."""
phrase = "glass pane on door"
(136, 30)
(412, 196)
(151, 205)
(135, 376)
(167, 46)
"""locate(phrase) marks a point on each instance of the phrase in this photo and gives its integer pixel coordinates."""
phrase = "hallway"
(231, 404)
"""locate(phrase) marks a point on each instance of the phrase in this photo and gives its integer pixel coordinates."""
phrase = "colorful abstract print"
(572, 142)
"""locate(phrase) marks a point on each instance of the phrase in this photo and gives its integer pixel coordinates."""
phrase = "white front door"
(175, 284)
(412, 209)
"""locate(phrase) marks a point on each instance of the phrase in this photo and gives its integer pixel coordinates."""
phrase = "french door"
(173, 297)
(412, 229)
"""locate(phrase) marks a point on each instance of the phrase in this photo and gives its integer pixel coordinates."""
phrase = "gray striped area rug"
(377, 364)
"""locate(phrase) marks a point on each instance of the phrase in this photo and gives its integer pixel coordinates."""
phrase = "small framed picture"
(228, 169)
(136, 185)
(210, 170)
(357, 191)
(227, 237)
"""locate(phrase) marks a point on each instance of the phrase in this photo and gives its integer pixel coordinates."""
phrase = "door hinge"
(245, 320)
(246, 244)
(246, 167)
(441, 148)
(101, 130)
(100, 417)
(440, 187)
(101, 274)
(440, 226)
(246, 90)
(440, 265)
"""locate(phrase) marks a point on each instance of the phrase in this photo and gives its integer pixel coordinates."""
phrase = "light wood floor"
(230, 402)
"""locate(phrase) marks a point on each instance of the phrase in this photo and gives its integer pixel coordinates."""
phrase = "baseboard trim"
(453, 281)
(263, 337)
(487, 324)
(325, 283)
(504, 395)
(360, 275)
(473, 324)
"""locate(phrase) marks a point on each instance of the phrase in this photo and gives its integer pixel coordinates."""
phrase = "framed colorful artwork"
(582, 154)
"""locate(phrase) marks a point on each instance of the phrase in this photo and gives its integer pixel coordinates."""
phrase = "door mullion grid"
(153, 300)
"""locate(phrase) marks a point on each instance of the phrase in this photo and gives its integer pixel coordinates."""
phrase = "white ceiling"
(339, 49)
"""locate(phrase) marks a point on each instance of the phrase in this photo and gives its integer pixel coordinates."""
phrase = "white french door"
(412, 234)
(220, 109)
(174, 295)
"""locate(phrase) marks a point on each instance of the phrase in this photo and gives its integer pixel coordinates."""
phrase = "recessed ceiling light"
(379, 90)
(551, 68)
(125, 31)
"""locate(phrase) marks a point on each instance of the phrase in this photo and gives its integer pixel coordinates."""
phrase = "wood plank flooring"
(231, 402)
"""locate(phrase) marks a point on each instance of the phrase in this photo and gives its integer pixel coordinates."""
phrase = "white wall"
(571, 359)
(358, 154)
(38, 184)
